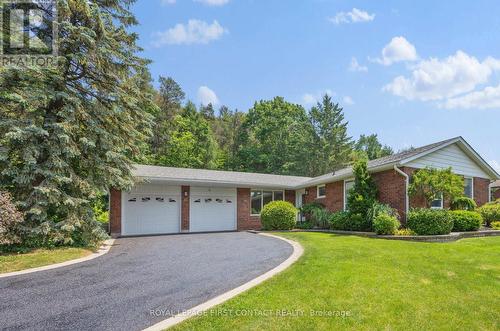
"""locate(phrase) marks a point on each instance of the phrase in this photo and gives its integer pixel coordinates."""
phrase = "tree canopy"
(372, 147)
(69, 132)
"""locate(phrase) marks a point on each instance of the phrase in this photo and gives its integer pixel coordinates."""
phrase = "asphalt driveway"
(140, 282)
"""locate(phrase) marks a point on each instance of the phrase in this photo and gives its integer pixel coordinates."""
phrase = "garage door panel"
(211, 211)
(151, 214)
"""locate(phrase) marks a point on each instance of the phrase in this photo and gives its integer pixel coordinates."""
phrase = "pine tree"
(332, 144)
(169, 100)
(70, 132)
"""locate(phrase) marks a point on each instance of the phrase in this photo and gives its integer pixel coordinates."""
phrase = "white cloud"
(206, 96)
(213, 2)
(397, 50)
(355, 66)
(489, 97)
(313, 98)
(194, 32)
(168, 2)
(354, 16)
(348, 100)
(436, 79)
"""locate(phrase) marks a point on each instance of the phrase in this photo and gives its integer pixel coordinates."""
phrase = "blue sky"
(413, 72)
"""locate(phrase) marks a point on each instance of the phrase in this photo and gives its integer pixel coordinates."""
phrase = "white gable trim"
(466, 148)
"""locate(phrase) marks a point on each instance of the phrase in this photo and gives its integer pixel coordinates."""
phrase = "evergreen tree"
(371, 147)
(70, 132)
(169, 100)
(332, 144)
(225, 127)
(208, 112)
(363, 194)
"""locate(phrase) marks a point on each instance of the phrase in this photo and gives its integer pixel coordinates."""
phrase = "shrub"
(495, 225)
(464, 220)
(364, 192)
(339, 220)
(385, 224)
(358, 222)
(278, 215)
(430, 221)
(10, 221)
(431, 184)
(463, 203)
(379, 208)
(490, 212)
(404, 232)
(320, 218)
(316, 214)
(304, 225)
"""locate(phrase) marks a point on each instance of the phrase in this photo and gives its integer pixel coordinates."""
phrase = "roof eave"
(203, 182)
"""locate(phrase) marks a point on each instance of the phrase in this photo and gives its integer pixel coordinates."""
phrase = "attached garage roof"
(216, 177)
(247, 179)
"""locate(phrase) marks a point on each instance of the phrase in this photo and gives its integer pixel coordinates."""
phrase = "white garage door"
(151, 209)
(212, 209)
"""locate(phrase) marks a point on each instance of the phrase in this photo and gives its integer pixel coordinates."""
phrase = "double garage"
(156, 209)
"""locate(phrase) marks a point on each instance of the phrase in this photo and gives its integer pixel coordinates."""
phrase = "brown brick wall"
(290, 196)
(481, 187)
(115, 212)
(392, 190)
(243, 218)
(185, 208)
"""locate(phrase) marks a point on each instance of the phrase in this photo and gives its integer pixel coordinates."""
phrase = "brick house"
(495, 190)
(175, 200)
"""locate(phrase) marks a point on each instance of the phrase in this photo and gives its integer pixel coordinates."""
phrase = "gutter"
(407, 184)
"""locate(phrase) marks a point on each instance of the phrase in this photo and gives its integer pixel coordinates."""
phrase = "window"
(260, 198)
(321, 191)
(348, 185)
(469, 187)
(437, 203)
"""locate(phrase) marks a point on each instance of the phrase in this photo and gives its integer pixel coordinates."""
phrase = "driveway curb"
(106, 246)
(198, 310)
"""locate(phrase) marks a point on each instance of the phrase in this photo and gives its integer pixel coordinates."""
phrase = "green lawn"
(39, 257)
(380, 284)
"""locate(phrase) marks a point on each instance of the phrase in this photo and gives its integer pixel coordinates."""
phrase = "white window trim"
(472, 188)
(262, 198)
(317, 191)
(345, 191)
(442, 203)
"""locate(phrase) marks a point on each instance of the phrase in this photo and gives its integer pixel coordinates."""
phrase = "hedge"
(464, 220)
(278, 215)
(430, 221)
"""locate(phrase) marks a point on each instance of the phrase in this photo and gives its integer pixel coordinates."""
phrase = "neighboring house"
(173, 200)
(495, 190)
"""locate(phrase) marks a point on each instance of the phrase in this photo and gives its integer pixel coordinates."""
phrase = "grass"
(379, 284)
(16, 261)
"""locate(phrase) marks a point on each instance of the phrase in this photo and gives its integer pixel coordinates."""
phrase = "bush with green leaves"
(464, 220)
(432, 184)
(430, 221)
(495, 225)
(490, 212)
(364, 192)
(379, 208)
(11, 221)
(385, 224)
(339, 221)
(463, 203)
(305, 225)
(316, 214)
(278, 215)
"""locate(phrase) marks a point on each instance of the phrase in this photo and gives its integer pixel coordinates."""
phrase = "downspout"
(407, 184)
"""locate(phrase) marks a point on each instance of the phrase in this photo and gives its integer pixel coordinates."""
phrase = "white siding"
(450, 156)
